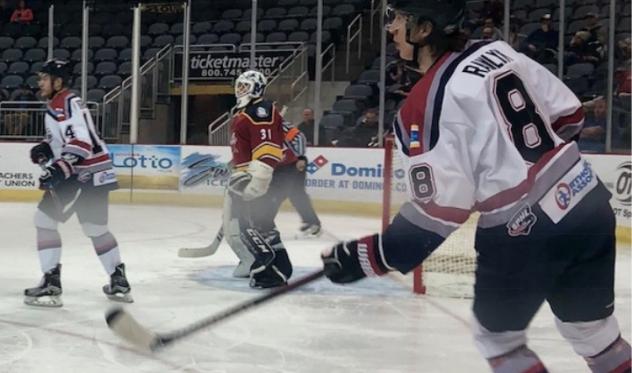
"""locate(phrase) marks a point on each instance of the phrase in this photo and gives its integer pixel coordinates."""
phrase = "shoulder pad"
(260, 112)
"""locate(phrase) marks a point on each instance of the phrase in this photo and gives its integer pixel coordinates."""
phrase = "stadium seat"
(326, 11)
(105, 68)
(109, 82)
(243, 26)
(125, 69)
(287, 3)
(298, 11)
(528, 28)
(71, 42)
(180, 40)
(91, 82)
(158, 29)
(34, 55)
(96, 42)
(546, 3)
(25, 42)
(276, 12)
(246, 38)
(96, 95)
(105, 54)
(624, 25)
(575, 26)
(276, 37)
(232, 13)
(162, 40)
(266, 25)
(578, 85)
(43, 43)
(551, 67)
(176, 29)
(230, 38)
(307, 2)
(3, 68)
(125, 55)
(10, 82)
(35, 67)
(117, 42)
(223, 26)
(582, 11)
(247, 14)
(31, 82)
(150, 53)
(201, 28)
(18, 68)
(12, 55)
(208, 39)
(332, 23)
(358, 91)
(308, 24)
(536, 14)
(6, 42)
(288, 25)
(369, 77)
(298, 36)
(326, 37)
(343, 10)
(32, 29)
(580, 69)
(77, 69)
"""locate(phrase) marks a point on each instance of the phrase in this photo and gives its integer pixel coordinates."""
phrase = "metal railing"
(351, 36)
(376, 9)
(25, 120)
(331, 48)
(154, 81)
(219, 130)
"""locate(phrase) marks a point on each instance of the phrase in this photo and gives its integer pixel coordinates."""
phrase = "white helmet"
(248, 86)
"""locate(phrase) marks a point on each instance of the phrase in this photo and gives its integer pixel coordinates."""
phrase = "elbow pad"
(261, 176)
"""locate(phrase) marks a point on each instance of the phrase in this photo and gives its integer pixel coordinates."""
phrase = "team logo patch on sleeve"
(521, 223)
(262, 112)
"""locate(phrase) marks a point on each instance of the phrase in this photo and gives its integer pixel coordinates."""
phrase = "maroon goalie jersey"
(257, 134)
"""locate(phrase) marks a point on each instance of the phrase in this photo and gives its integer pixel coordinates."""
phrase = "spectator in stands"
(307, 127)
(489, 23)
(364, 133)
(397, 85)
(581, 49)
(515, 37)
(623, 78)
(540, 40)
(592, 136)
(493, 9)
(5, 13)
(22, 14)
(487, 33)
(594, 27)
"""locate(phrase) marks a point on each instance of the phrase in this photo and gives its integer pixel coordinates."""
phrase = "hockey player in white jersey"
(78, 177)
(487, 129)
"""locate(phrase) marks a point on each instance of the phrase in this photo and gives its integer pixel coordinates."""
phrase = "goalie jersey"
(489, 130)
(257, 134)
(70, 132)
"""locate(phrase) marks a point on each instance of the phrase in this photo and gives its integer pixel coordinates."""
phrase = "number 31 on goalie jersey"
(524, 122)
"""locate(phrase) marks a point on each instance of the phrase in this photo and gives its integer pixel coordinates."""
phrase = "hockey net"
(449, 271)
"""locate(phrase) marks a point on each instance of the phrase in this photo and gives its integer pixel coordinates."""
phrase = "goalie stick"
(126, 327)
(197, 252)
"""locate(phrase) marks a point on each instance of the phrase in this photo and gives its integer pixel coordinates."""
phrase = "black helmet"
(446, 15)
(57, 68)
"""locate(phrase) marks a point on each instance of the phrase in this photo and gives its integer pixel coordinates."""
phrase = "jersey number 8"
(527, 129)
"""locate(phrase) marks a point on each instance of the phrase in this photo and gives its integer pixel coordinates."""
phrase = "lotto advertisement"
(146, 166)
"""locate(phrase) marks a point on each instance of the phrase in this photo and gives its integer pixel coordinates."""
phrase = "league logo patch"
(316, 164)
(261, 112)
(563, 196)
(521, 223)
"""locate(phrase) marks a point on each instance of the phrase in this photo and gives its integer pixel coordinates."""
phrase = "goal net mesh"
(449, 271)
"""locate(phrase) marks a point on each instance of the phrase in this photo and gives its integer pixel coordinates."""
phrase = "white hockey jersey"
(70, 131)
(486, 130)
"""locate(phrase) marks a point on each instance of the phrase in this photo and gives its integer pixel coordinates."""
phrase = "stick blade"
(127, 328)
(195, 252)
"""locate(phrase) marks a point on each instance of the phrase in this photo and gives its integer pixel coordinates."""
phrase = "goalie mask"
(249, 86)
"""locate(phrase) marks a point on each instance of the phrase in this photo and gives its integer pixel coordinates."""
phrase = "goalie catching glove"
(353, 260)
(252, 183)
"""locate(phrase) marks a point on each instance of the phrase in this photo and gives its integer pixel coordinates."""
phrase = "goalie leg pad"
(232, 232)
(272, 266)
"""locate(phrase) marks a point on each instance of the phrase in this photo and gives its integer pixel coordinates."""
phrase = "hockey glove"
(351, 261)
(55, 174)
(41, 152)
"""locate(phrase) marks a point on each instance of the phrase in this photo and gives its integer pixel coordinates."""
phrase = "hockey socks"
(614, 359)
(106, 248)
(48, 248)
(520, 360)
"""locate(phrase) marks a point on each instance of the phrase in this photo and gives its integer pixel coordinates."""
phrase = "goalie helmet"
(57, 69)
(445, 15)
(249, 86)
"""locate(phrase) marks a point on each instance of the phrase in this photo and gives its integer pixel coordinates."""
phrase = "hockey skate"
(118, 289)
(48, 292)
(308, 230)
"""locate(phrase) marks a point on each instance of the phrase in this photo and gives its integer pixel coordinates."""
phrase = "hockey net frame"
(449, 271)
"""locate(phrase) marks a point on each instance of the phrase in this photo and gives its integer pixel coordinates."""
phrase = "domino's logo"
(315, 165)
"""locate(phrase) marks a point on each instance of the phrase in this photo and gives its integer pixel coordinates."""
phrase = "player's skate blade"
(50, 301)
(118, 289)
(118, 295)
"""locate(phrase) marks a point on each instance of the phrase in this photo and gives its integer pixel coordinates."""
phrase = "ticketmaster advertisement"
(155, 167)
(204, 169)
(17, 172)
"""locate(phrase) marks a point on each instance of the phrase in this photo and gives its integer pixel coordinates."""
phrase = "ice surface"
(375, 325)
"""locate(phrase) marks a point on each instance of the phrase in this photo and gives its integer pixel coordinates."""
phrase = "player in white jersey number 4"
(487, 129)
(77, 178)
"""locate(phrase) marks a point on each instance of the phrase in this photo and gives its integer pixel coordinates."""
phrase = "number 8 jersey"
(488, 129)
(70, 132)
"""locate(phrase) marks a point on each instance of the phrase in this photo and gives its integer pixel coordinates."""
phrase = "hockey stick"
(127, 328)
(197, 252)
(59, 206)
